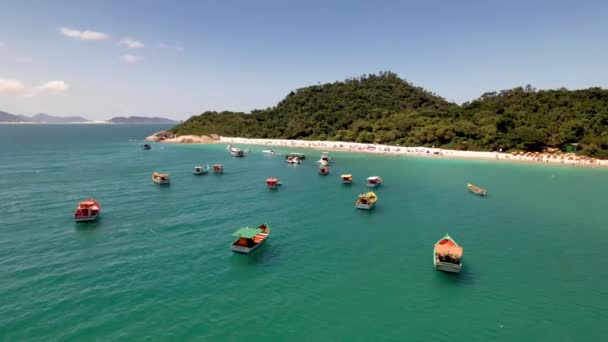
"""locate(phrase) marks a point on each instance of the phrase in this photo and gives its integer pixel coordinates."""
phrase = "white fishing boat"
(236, 152)
(201, 169)
(324, 160)
(374, 181)
(293, 160)
(271, 152)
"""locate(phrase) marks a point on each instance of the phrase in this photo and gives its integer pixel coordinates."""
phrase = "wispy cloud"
(17, 87)
(170, 46)
(49, 88)
(132, 59)
(131, 43)
(8, 85)
(83, 35)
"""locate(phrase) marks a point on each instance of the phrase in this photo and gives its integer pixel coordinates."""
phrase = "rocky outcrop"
(168, 137)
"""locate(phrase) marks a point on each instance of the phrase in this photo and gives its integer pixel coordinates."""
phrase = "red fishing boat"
(272, 183)
(324, 170)
(87, 210)
(218, 168)
(447, 254)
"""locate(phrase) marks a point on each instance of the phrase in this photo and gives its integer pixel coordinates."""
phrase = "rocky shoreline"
(168, 137)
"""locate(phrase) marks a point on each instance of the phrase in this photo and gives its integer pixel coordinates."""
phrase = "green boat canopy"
(247, 233)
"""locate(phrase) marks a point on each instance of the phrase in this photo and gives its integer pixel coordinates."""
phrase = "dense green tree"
(384, 108)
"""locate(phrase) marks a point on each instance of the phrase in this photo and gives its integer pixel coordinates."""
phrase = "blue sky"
(243, 55)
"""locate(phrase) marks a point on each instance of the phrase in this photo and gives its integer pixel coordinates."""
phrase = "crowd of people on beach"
(534, 157)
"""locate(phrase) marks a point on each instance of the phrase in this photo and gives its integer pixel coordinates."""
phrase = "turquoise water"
(157, 264)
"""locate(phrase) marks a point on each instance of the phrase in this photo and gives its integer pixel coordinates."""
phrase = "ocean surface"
(157, 264)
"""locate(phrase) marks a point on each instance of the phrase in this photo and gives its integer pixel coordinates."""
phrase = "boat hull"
(347, 182)
(246, 250)
(86, 218)
(161, 182)
(446, 266)
(365, 206)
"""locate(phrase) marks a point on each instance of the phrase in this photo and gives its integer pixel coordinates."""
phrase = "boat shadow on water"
(464, 278)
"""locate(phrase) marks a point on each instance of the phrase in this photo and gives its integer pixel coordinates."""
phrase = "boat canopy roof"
(373, 178)
(448, 246)
(346, 176)
(247, 233)
(272, 180)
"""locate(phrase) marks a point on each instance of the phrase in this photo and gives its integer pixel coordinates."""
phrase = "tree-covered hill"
(384, 108)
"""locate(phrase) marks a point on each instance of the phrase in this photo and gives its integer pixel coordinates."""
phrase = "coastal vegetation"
(386, 109)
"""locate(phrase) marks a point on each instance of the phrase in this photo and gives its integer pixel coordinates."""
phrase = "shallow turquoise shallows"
(157, 264)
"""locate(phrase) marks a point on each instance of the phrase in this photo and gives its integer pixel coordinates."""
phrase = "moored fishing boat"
(374, 181)
(218, 169)
(447, 255)
(272, 183)
(346, 179)
(324, 170)
(324, 160)
(160, 178)
(477, 190)
(295, 154)
(249, 239)
(293, 160)
(236, 152)
(146, 146)
(366, 200)
(87, 210)
(272, 152)
(201, 169)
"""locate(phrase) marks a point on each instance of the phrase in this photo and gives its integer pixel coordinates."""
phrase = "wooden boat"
(218, 169)
(236, 152)
(374, 181)
(272, 183)
(249, 239)
(366, 200)
(87, 210)
(324, 160)
(293, 160)
(447, 255)
(160, 178)
(201, 169)
(295, 154)
(146, 146)
(346, 179)
(324, 170)
(477, 190)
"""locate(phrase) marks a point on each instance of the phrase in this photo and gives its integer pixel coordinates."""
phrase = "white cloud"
(131, 43)
(49, 88)
(83, 35)
(11, 86)
(169, 46)
(131, 59)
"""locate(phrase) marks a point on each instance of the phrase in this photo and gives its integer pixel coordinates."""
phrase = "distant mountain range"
(140, 120)
(52, 119)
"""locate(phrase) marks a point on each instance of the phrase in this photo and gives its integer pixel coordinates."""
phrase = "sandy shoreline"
(543, 159)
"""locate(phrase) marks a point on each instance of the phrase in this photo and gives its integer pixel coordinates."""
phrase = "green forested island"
(386, 109)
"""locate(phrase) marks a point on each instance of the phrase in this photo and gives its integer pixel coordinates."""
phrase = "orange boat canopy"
(448, 247)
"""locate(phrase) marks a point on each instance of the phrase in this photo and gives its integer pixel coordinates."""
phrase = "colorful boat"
(160, 178)
(249, 239)
(146, 146)
(87, 210)
(477, 190)
(346, 179)
(201, 169)
(324, 170)
(295, 154)
(374, 181)
(366, 200)
(218, 169)
(272, 183)
(447, 255)
(236, 152)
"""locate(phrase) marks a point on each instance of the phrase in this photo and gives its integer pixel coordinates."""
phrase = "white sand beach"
(538, 158)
